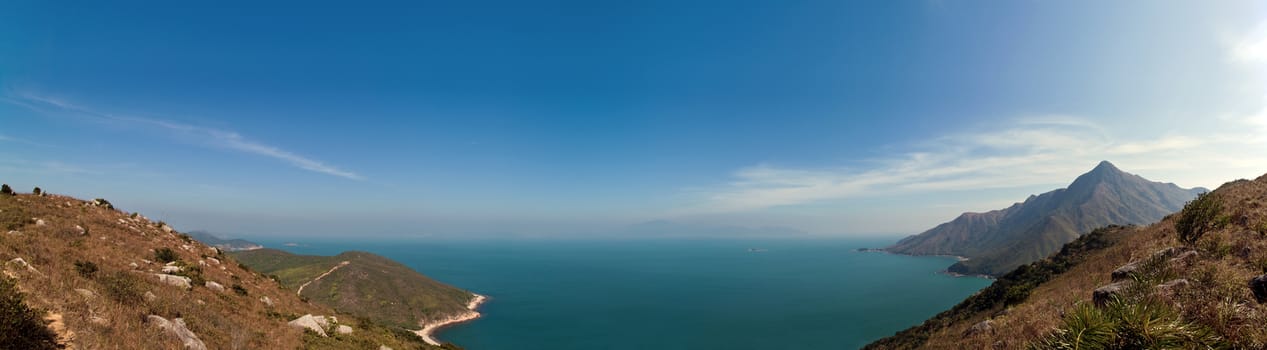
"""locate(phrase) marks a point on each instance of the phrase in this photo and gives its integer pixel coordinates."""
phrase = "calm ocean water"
(678, 294)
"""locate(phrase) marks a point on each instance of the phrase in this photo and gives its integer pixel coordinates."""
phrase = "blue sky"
(582, 117)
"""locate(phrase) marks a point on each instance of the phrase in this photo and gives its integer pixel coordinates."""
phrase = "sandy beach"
(429, 329)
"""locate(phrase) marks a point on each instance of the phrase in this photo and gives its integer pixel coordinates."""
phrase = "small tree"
(37, 191)
(166, 255)
(1199, 216)
(22, 327)
(5, 189)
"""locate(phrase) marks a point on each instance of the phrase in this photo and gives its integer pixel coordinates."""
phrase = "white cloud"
(1029, 152)
(215, 137)
(1250, 48)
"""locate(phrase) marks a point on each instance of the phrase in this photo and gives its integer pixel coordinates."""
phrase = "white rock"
(308, 322)
(167, 229)
(134, 265)
(215, 286)
(40, 222)
(87, 294)
(179, 281)
(80, 229)
(214, 261)
(383, 347)
(149, 296)
(98, 320)
(267, 301)
(171, 269)
(343, 329)
(177, 328)
(202, 263)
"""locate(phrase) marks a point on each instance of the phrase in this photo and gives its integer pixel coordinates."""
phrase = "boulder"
(102, 202)
(383, 347)
(983, 327)
(87, 294)
(1258, 285)
(1124, 272)
(1173, 285)
(40, 222)
(1185, 258)
(177, 327)
(171, 269)
(267, 301)
(1167, 253)
(1103, 295)
(343, 329)
(213, 261)
(215, 286)
(308, 322)
(179, 281)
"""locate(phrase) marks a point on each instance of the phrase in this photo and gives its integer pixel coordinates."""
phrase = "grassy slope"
(1218, 297)
(369, 285)
(114, 240)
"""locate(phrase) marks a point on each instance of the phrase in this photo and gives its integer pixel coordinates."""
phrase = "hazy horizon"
(504, 119)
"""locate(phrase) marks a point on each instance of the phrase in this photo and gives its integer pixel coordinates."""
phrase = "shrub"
(5, 189)
(22, 327)
(166, 255)
(12, 216)
(237, 288)
(1128, 325)
(86, 268)
(1199, 216)
(37, 191)
(122, 287)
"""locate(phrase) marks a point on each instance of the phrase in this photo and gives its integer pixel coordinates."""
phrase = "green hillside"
(361, 284)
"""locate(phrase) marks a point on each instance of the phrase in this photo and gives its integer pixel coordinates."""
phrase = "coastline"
(428, 329)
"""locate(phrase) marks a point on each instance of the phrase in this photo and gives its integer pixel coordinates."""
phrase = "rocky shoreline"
(428, 329)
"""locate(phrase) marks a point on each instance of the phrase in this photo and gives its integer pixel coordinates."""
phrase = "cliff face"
(998, 241)
(106, 279)
(1196, 279)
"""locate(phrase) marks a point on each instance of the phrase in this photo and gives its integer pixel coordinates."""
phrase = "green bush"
(22, 327)
(1199, 216)
(37, 191)
(165, 255)
(237, 288)
(5, 189)
(86, 268)
(123, 287)
(1128, 325)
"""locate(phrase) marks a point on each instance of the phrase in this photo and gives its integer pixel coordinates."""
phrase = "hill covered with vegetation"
(362, 284)
(1195, 280)
(83, 275)
(998, 241)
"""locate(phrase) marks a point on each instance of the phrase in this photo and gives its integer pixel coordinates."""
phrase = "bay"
(675, 293)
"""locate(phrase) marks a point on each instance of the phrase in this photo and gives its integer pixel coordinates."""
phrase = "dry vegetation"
(92, 271)
(1231, 249)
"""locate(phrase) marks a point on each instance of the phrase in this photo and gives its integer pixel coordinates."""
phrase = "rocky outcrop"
(309, 322)
(215, 286)
(1124, 272)
(1103, 295)
(178, 281)
(177, 327)
(1258, 285)
(984, 327)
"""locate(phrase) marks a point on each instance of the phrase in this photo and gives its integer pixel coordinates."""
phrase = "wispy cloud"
(215, 137)
(1029, 152)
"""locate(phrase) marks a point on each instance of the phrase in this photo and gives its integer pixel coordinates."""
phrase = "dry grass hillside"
(93, 272)
(1182, 283)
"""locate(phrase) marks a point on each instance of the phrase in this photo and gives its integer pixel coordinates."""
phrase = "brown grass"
(115, 317)
(1218, 296)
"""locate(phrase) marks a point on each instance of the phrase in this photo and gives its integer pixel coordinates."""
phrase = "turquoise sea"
(677, 294)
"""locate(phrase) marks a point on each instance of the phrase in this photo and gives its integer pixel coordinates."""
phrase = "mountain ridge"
(994, 242)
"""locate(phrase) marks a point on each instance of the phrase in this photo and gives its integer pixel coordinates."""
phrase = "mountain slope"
(98, 274)
(995, 242)
(362, 284)
(228, 245)
(1158, 289)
